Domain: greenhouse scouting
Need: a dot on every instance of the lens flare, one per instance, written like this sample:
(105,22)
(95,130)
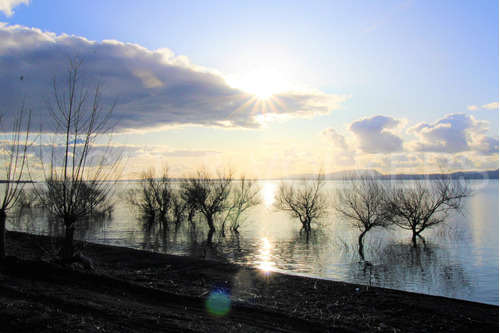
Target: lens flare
(218,302)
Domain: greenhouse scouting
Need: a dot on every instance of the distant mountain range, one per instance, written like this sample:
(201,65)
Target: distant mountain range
(493,174)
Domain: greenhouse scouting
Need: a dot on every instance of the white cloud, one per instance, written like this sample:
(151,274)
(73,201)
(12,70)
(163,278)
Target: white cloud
(155,89)
(331,135)
(452,134)
(7,6)
(377,134)
(162,151)
(490,106)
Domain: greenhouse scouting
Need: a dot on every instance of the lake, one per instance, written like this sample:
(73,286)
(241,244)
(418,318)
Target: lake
(459,259)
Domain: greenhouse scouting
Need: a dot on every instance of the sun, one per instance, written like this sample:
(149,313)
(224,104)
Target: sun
(263,83)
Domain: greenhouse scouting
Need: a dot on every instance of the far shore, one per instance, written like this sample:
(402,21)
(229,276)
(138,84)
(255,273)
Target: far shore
(140,291)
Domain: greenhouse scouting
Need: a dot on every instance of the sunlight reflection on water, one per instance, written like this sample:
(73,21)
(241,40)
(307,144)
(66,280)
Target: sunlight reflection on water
(265,263)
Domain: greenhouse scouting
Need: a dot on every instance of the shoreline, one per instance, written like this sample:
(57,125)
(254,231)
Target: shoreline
(212,296)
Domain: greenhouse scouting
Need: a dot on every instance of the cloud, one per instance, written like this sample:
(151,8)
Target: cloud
(376,134)
(331,135)
(453,134)
(6,6)
(141,154)
(162,151)
(490,106)
(154,89)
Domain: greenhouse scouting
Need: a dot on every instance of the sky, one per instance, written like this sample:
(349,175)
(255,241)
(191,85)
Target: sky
(271,88)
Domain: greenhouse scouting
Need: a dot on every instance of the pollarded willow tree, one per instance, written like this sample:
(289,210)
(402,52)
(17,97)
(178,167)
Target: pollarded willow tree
(78,166)
(244,196)
(362,201)
(425,203)
(303,200)
(13,159)
(208,194)
(154,198)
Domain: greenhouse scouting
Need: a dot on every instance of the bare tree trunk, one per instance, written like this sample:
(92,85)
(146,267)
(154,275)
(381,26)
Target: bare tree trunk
(68,250)
(3,219)
(210,221)
(361,245)
(192,211)
(209,237)
(306,226)
(414,238)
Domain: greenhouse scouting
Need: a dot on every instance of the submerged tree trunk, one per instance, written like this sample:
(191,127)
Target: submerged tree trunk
(306,226)
(209,237)
(192,211)
(361,246)
(210,221)
(414,237)
(3,219)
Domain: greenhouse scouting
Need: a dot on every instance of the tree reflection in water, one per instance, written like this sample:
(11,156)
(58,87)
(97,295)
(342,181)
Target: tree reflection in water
(194,239)
(28,219)
(423,268)
(296,253)
(427,268)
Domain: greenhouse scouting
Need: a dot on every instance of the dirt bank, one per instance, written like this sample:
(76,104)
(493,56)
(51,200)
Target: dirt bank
(139,291)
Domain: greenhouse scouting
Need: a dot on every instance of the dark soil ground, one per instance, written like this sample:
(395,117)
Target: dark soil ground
(139,291)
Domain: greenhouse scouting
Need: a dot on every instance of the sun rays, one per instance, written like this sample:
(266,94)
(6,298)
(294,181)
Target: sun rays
(263,83)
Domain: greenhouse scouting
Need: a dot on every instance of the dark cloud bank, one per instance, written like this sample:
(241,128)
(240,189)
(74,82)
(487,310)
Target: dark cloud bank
(154,89)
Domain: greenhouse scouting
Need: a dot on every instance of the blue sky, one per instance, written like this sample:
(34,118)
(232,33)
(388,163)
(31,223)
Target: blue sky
(390,85)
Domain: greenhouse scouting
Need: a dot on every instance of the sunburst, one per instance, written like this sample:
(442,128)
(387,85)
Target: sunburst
(263,83)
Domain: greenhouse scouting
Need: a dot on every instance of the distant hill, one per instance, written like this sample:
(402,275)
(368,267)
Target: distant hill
(493,174)
(354,173)
(2,181)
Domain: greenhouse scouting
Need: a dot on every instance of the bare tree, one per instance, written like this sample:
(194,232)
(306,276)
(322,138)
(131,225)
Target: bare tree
(79,170)
(362,201)
(208,194)
(425,203)
(154,197)
(243,197)
(304,200)
(13,157)
(143,200)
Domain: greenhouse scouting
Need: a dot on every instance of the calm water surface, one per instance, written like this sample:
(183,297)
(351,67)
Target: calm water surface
(459,259)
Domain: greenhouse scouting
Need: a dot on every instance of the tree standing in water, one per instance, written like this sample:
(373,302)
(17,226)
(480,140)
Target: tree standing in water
(208,194)
(154,198)
(244,195)
(362,201)
(304,200)
(425,203)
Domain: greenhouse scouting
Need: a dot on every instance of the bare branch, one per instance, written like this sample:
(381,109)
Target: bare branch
(303,200)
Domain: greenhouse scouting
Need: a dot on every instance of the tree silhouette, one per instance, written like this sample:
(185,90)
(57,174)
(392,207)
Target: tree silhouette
(13,159)
(303,200)
(208,194)
(79,170)
(362,201)
(244,195)
(425,203)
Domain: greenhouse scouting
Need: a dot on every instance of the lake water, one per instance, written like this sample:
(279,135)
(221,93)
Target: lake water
(458,260)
